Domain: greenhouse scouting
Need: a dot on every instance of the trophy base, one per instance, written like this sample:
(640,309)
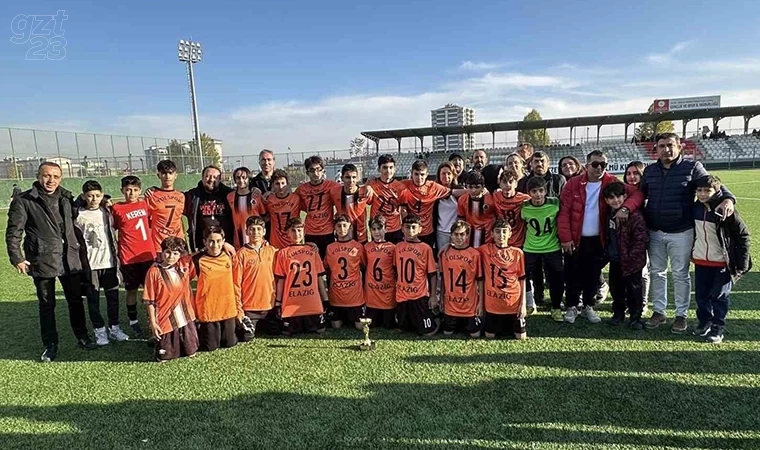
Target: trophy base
(367,347)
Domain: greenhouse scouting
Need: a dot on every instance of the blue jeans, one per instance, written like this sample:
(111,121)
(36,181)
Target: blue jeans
(676,247)
(712,288)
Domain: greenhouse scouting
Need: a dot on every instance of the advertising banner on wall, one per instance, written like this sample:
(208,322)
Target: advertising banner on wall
(679,104)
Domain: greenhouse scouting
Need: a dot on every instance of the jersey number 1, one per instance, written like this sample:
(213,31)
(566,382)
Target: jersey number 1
(141,226)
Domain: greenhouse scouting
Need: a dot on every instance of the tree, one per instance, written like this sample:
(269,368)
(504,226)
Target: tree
(539,138)
(211,157)
(356,146)
(645,131)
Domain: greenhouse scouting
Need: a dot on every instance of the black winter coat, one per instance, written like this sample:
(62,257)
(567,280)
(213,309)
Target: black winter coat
(45,246)
(670,194)
(733,236)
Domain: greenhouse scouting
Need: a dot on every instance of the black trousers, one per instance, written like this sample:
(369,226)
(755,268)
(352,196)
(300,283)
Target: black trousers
(537,278)
(72,290)
(584,267)
(107,280)
(627,291)
(552,263)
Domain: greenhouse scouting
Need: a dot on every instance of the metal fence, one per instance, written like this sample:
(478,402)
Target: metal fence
(79,154)
(93,155)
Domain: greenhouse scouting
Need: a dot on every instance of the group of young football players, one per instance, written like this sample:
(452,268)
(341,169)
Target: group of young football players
(281,274)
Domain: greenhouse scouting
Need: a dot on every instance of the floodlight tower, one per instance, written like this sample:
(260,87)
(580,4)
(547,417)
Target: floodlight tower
(190,52)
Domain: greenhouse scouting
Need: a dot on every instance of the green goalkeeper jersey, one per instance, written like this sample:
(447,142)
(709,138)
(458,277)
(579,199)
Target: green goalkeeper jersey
(541,230)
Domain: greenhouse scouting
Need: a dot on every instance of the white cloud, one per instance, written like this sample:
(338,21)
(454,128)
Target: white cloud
(562,90)
(477,66)
(668,56)
(749,65)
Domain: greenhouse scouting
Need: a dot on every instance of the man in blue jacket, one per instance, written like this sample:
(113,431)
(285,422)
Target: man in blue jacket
(669,189)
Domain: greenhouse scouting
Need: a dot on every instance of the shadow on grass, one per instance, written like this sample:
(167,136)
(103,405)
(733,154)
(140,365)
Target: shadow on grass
(744,295)
(19,332)
(504,413)
(541,326)
(20,336)
(697,362)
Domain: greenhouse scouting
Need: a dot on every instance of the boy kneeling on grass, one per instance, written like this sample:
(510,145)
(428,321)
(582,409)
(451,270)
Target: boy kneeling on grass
(462,287)
(627,251)
(416,287)
(345,262)
(253,271)
(170,304)
(380,279)
(504,268)
(721,256)
(219,310)
(301,289)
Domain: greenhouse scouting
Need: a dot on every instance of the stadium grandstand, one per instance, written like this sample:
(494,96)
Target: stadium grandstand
(717,151)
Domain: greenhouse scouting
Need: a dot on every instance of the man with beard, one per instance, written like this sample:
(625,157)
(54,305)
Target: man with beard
(479,160)
(206,205)
(539,167)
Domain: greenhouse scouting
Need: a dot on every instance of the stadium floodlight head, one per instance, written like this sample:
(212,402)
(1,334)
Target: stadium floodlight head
(189,51)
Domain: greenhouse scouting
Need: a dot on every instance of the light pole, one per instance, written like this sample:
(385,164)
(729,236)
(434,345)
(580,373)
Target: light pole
(190,52)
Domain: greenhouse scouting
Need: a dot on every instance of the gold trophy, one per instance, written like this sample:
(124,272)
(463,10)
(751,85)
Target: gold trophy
(367,344)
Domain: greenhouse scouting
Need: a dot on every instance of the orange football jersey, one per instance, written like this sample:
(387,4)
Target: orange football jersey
(414,262)
(504,270)
(344,262)
(460,269)
(280,210)
(355,207)
(421,200)
(300,267)
(479,213)
(165,210)
(509,208)
(253,272)
(318,204)
(215,298)
(380,279)
(387,201)
(168,290)
(243,206)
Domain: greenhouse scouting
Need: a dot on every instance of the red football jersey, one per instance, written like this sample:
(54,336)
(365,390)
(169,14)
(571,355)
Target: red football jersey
(131,222)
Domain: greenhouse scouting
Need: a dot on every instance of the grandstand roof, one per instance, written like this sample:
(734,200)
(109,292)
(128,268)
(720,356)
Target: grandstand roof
(687,114)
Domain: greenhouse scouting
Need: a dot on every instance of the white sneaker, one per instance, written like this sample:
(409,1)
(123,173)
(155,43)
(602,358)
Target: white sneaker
(571,314)
(591,315)
(101,337)
(116,334)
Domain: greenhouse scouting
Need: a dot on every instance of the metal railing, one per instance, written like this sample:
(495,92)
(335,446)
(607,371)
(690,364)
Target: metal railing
(84,155)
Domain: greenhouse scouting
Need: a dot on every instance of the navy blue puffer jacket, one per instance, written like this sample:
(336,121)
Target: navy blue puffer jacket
(669,194)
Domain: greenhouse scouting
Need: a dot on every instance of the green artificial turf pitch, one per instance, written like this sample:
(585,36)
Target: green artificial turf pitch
(567,387)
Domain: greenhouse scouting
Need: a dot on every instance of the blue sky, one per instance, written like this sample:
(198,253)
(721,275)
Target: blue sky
(312,75)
